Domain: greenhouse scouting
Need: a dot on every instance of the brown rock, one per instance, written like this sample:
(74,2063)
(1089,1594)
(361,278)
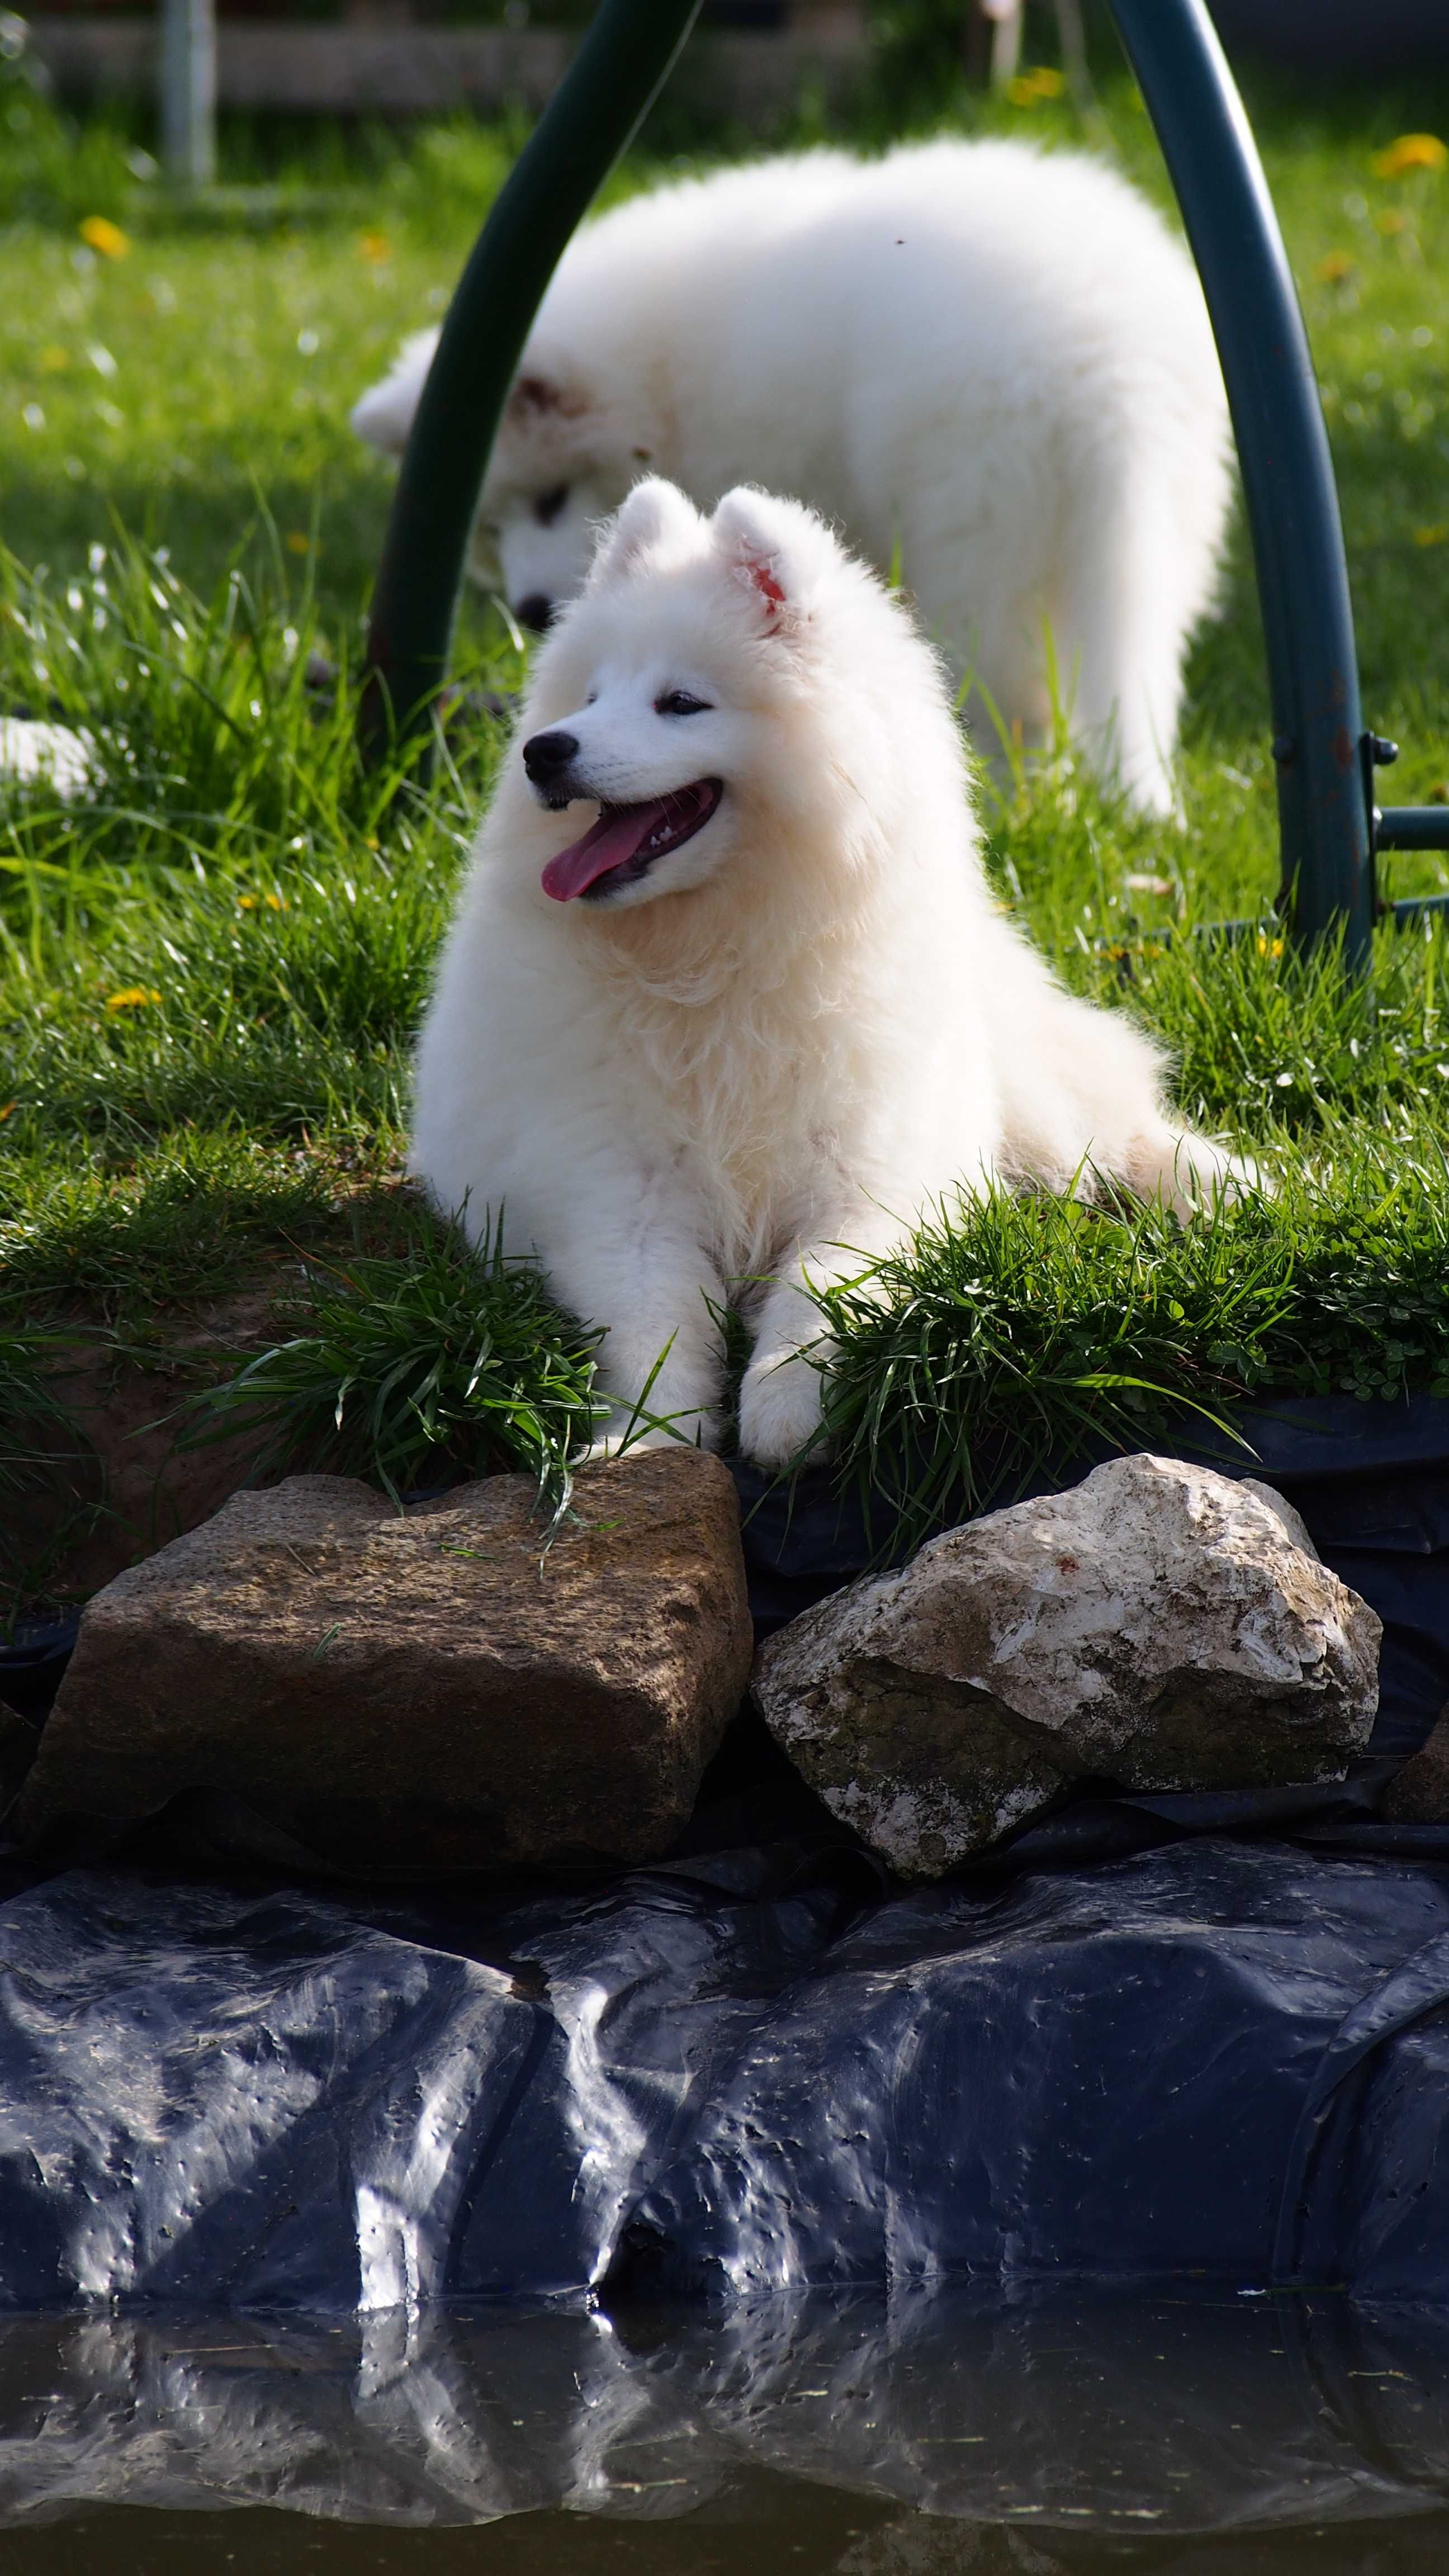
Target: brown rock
(1159,1626)
(1419,1794)
(123,1481)
(429,1688)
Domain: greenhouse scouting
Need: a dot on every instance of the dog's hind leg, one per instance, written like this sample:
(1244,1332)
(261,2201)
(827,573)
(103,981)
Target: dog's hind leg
(1186,1172)
(1132,587)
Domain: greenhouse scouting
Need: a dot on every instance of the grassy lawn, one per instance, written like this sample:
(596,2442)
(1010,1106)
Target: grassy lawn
(212,963)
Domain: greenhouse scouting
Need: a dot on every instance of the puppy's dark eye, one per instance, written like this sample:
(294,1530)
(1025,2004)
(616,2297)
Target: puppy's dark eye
(547,505)
(678,702)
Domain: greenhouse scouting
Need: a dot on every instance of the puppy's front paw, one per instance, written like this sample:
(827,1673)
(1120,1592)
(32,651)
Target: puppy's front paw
(613,1444)
(780,1408)
(621,1435)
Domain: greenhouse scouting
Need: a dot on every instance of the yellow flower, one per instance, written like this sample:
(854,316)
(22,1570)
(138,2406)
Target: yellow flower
(132,997)
(105,237)
(273,902)
(1411,152)
(1029,87)
(6,1107)
(53,359)
(374,246)
(1392,220)
(1335,264)
(1269,947)
(297,542)
(1434,535)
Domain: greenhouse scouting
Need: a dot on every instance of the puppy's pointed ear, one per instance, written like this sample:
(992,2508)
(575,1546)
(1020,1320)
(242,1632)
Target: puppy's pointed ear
(656,518)
(384,415)
(543,393)
(755,536)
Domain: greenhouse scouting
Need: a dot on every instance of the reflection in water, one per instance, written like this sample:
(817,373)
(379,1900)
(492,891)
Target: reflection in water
(928,2434)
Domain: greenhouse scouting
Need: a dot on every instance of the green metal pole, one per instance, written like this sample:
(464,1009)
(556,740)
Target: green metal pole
(1319,744)
(628,52)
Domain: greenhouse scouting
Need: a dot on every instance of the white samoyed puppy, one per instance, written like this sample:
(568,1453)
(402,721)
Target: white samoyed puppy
(762,1011)
(992,367)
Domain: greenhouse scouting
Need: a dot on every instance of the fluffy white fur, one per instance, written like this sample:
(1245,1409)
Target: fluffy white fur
(31,750)
(989,364)
(796,1030)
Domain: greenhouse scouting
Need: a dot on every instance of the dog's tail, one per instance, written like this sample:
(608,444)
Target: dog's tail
(384,415)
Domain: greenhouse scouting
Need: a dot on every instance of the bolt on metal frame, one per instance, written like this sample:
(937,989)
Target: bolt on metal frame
(1329,827)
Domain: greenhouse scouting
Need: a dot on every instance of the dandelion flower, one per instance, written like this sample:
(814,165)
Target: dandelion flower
(374,246)
(102,235)
(1434,535)
(1410,152)
(7,1108)
(53,359)
(132,997)
(1333,267)
(298,543)
(1027,89)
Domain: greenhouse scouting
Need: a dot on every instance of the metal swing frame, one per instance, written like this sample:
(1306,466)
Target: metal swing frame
(1325,759)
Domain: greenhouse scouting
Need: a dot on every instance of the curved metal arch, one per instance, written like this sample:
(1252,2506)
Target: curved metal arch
(626,56)
(1324,757)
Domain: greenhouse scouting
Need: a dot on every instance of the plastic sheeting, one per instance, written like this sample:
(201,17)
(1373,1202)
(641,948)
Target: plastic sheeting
(1153,2037)
(721,2079)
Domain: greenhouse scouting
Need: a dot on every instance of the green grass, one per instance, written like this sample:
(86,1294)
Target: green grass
(418,1366)
(211,963)
(1018,1331)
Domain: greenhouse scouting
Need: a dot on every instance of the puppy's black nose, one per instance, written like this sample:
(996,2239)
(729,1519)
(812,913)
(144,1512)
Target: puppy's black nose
(547,755)
(536,612)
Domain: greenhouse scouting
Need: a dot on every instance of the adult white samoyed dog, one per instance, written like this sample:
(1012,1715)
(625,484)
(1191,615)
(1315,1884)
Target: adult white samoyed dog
(762,1011)
(991,366)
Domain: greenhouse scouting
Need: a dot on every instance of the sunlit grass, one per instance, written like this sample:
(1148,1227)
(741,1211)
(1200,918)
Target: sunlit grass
(417,1367)
(1017,1333)
(213,959)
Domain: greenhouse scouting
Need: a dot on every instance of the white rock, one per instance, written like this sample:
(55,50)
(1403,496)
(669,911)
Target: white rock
(1159,1627)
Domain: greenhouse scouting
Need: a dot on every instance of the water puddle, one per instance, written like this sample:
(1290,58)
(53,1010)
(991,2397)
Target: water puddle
(929,2433)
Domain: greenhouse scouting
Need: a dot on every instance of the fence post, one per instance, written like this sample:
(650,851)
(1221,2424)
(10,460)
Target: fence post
(188,91)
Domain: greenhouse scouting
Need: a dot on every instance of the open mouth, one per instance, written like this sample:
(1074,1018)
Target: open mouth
(627,840)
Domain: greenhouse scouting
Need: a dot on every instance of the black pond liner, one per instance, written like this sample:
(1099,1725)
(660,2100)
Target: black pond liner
(1152,2037)
(32,1661)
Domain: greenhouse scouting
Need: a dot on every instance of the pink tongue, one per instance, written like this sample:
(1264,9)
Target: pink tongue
(613,839)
